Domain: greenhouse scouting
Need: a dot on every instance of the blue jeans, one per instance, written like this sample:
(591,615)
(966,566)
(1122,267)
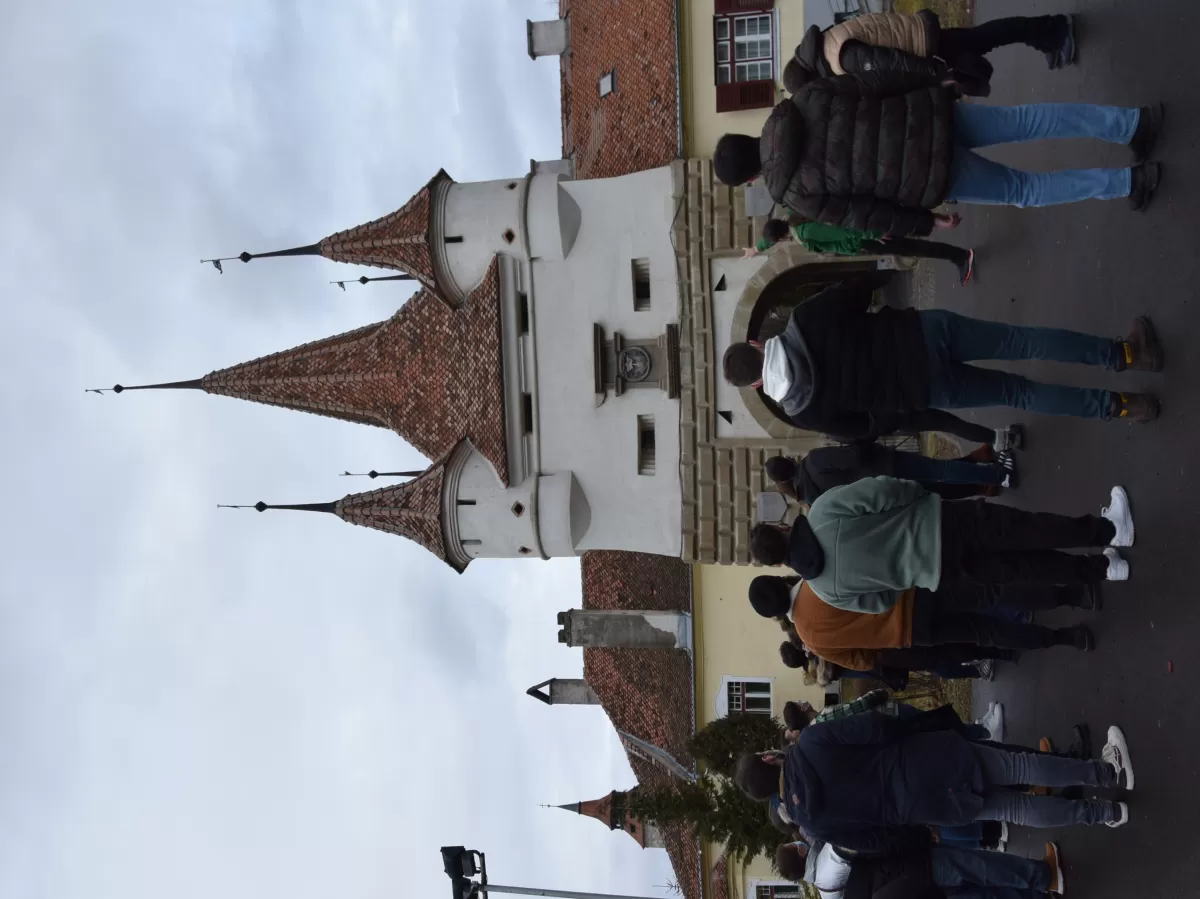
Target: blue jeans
(915,467)
(951,340)
(1002,769)
(965,836)
(954,867)
(976,179)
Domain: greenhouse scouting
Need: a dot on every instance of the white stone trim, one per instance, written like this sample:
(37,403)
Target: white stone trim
(722,698)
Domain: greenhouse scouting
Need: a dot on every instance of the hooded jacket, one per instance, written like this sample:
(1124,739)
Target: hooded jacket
(873,783)
(872,158)
(878,537)
(850,367)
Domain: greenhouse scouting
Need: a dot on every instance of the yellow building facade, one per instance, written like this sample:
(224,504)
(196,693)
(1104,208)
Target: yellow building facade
(737,668)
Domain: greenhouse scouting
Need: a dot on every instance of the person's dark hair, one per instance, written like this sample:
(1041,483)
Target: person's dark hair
(770,596)
(742,364)
(780,469)
(792,655)
(795,76)
(793,716)
(789,862)
(736,159)
(756,777)
(768,545)
(774,231)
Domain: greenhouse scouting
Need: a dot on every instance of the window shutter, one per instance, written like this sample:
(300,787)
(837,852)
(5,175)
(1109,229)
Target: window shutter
(725,7)
(745,95)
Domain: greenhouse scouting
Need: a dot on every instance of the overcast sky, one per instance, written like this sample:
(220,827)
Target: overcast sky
(203,703)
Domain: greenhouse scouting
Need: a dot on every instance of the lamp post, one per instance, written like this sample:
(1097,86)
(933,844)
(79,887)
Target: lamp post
(462,865)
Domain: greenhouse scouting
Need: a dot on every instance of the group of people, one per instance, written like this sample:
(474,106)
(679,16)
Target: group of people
(900,562)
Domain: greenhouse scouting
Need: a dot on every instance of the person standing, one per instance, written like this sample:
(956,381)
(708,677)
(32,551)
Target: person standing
(881,157)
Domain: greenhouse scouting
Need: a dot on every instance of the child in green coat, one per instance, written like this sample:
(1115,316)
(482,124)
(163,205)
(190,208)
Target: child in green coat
(817,237)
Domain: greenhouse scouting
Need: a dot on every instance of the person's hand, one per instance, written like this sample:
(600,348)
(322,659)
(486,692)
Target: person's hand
(885,237)
(947,221)
(951,81)
(749,252)
(933,833)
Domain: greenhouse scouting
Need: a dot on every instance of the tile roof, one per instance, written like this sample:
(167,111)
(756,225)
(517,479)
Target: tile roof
(399,240)
(719,887)
(636,127)
(646,692)
(430,373)
(412,509)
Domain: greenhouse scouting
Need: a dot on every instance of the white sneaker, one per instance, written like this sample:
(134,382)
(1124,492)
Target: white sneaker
(1117,511)
(1003,844)
(1116,753)
(1122,811)
(993,720)
(1054,860)
(1118,568)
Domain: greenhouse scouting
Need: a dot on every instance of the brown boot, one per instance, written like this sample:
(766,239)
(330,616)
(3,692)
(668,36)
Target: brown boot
(1139,407)
(1140,347)
(1054,861)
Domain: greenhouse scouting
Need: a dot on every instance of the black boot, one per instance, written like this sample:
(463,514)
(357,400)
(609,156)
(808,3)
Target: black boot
(1149,128)
(1061,49)
(1145,178)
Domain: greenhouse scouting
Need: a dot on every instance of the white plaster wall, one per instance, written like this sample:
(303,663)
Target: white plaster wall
(621,219)
(736,272)
(491,521)
(480,212)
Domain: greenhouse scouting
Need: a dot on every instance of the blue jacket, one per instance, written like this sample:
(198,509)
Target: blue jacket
(873,783)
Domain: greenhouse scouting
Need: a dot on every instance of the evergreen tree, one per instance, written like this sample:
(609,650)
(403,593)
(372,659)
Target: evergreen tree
(715,810)
(720,743)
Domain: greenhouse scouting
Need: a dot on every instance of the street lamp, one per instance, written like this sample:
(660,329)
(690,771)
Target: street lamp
(462,864)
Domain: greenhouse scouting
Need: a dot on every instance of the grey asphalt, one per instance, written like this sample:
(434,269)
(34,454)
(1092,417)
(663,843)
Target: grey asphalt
(1093,266)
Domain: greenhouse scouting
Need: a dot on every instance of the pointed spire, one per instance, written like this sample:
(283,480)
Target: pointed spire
(194,384)
(365,280)
(575,807)
(331,508)
(313,249)
(372,474)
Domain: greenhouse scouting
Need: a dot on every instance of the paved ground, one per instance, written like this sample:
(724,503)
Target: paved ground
(1092,267)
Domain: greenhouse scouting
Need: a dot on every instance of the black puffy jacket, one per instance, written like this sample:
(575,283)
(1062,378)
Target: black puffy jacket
(864,366)
(839,152)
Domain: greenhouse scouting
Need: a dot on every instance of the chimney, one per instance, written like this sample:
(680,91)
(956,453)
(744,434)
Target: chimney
(564,691)
(551,38)
(626,628)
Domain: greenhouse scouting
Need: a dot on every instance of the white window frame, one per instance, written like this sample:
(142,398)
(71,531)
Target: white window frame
(730,64)
(754,883)
(721,702)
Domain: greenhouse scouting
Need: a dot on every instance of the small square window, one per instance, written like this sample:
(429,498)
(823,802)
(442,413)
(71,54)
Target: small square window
(608,83)
(749,696)
(645,426)
(641,285)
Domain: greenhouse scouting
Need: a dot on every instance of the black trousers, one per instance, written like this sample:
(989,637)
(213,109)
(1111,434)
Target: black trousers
(984,543)
(918,249)
(958,613)
(1045,33)
(938,420)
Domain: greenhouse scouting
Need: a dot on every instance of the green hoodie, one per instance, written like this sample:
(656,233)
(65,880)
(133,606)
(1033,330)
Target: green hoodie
(817,237)
(880,536)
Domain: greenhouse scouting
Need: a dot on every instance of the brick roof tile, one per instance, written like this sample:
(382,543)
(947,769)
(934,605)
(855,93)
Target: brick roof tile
(646,692)
(637,126)
(430,373)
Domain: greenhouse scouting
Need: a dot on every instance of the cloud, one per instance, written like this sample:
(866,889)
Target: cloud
(208,702)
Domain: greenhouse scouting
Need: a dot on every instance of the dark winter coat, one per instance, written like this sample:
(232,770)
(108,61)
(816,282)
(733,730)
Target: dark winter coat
(868,159)
(857,54)
(873,783)
(869,876)
(834,466)
(862,368)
